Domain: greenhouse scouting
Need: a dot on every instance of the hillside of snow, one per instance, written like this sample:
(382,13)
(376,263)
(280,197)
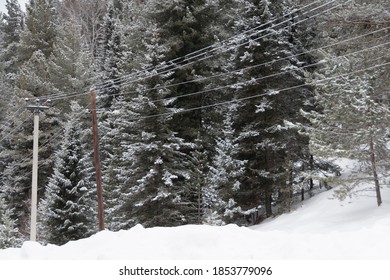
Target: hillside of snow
(321,228)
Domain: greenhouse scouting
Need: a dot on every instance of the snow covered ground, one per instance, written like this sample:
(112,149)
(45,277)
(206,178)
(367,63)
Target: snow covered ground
(321,228)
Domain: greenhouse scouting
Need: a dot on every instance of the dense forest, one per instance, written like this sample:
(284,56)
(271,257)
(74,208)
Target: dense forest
(209,111)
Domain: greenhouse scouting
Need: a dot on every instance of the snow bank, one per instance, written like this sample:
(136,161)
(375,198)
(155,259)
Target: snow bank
(322,228)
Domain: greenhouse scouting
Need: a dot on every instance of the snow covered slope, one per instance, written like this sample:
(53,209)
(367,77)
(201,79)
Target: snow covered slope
(321,228)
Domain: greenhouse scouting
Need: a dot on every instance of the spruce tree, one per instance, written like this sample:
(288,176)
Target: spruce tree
(116,132)
(185,27)
(156,173)
(15,158)
(111,57)
(270,148)
(32,81)
(11,27)
(67,211)
(69,65)
(40,29)
(223,178)
(9,233)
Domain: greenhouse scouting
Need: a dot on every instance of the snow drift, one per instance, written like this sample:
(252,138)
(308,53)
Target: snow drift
(322,228)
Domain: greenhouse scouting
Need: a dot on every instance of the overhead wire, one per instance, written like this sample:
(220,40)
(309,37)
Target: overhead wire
(246,68)
(55,135)
(260,95)
(11,119)
(58,97)
(215,46)
(15,128)
(130,78)
(168,70)
(239,71)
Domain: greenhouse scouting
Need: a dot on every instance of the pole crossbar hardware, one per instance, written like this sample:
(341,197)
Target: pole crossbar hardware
(34,185)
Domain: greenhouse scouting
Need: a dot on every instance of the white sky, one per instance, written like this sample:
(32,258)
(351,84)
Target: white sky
(21,2)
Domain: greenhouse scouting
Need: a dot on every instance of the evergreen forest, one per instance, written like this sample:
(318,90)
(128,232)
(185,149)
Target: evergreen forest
(209,111)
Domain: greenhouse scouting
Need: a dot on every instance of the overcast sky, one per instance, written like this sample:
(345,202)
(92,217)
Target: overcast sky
(21,2)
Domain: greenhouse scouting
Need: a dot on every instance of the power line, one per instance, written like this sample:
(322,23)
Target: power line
(56,134)
(15,129)
(168,70)
(59,97)
(255,79)
(214,47)
(77,94)
(229,40)
(249,67)
(11,119)
(252,67)
(260,95)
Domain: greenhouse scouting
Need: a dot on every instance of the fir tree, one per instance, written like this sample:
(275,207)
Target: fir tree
(69,64)
(155,175)
(11,27)
(32,80)
(111,57)
(223,178)
(40,31)
(184,27)
(9,233)
(269,147)
(68,208)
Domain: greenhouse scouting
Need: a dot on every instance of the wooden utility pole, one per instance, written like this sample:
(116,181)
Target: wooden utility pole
(34,184)
(97,160)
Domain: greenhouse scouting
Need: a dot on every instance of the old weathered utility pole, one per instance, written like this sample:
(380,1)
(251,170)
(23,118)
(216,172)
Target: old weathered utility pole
(97,160)
(34,186)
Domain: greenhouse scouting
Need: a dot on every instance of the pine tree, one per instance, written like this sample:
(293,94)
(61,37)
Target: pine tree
(33,78)
(355,114)
(68,208)
(18,143)
(352,121)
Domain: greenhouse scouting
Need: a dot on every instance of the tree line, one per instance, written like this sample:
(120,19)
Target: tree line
(209,111)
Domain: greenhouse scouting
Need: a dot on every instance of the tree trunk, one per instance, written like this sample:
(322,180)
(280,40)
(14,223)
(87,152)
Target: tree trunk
(374,172)
(268,204)
(311,184)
